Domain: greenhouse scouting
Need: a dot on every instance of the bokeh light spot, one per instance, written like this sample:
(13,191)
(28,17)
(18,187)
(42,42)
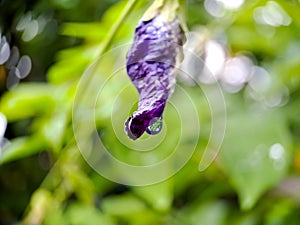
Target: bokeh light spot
(4,52)
(24,67)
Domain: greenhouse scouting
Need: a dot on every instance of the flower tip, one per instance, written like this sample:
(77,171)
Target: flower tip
(133,129)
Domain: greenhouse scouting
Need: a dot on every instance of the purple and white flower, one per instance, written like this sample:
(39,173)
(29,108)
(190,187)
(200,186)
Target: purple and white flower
(151,66)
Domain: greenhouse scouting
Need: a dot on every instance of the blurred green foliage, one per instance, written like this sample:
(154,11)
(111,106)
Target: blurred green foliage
(45,180)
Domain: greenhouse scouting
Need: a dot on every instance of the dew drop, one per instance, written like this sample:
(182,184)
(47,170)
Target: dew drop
(155,126)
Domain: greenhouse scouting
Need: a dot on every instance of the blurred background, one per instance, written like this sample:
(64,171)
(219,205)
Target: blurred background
(251,49)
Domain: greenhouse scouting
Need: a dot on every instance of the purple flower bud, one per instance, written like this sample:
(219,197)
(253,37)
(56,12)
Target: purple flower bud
(151,63)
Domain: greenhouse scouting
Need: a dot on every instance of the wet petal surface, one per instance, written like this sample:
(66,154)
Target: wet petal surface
(151,63)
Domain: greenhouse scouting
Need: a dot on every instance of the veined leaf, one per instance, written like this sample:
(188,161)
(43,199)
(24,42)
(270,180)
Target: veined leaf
(255,154)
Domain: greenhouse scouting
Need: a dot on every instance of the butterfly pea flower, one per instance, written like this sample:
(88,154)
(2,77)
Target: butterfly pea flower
(151,66)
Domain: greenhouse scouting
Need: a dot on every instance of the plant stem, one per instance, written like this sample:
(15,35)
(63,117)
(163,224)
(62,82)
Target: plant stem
(91,71)
(107,41)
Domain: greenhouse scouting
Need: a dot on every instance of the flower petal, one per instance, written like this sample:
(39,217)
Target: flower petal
(151,63)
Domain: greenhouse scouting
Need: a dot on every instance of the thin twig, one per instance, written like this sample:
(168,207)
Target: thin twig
(116,26)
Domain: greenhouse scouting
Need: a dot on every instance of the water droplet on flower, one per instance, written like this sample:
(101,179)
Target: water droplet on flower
(155,126)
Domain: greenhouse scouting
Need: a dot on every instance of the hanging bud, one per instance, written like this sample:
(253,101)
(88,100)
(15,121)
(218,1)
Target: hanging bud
(151,66)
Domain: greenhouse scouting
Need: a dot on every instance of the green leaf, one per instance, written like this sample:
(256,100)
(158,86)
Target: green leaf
(129,208)
(27,100)
(79,57)
(79,182)
(92,31)
(40,202)
(53,129)
(255,153)
(79,214)
(159,196)
(212,213)
(124,205)
(22,147)
(280,211)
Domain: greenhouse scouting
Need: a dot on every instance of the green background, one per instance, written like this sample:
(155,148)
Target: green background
(45,180)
